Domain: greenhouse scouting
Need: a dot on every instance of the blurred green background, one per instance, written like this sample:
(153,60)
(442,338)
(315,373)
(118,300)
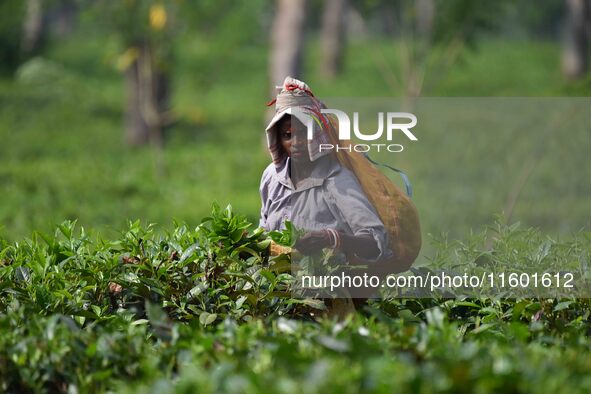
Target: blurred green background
(113,111)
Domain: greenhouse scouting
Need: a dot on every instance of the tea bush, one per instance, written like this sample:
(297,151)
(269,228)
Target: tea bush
(208,310)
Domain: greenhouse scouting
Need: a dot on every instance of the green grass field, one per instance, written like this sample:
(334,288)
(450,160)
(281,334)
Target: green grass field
(62,155)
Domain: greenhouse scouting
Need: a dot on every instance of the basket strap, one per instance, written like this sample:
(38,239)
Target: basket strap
(400,172)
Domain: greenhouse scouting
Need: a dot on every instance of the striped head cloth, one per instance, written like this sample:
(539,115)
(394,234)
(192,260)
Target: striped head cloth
(295,98)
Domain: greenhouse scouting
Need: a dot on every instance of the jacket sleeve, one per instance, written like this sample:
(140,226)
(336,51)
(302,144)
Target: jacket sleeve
(355,213)
(264,193)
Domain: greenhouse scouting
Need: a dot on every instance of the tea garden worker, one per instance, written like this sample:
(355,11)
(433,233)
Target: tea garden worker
(311,189)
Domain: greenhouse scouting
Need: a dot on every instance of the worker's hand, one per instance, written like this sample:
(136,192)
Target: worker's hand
(313,242)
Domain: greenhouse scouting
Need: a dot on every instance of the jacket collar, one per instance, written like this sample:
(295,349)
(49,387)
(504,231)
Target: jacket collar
(324,167)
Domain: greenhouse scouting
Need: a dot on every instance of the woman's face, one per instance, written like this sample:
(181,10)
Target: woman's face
(292,137)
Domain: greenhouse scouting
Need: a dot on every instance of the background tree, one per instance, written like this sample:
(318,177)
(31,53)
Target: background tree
(32,26)
(287,40)
(62,18)
(575,56)
(332,36)
(428,35)
(145,30)
(11,16)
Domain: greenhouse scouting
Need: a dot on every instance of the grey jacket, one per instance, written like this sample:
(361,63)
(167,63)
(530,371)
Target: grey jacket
(331,197)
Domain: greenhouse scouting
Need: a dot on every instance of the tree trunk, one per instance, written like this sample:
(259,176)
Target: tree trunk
(420,45)
(63,19)
(32,26)
(333,36)
(425,11)
(287,41)
(137,131)
(576,45)
(387,17)
(147,98)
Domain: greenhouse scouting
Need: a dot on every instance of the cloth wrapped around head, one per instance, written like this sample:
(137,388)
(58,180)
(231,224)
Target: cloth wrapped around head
(296,99)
